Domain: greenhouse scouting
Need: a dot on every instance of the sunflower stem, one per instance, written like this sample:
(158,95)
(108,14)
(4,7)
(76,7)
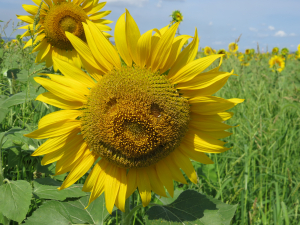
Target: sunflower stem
(125,215)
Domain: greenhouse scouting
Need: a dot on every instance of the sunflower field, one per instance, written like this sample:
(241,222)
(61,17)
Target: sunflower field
(149,128)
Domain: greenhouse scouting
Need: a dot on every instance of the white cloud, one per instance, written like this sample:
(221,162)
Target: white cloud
(159,4)
(280,33)
(292,45)
(217,42)
(271,28)
(233,29)
(253,29)
(210,23)
(292,34)
(122,3)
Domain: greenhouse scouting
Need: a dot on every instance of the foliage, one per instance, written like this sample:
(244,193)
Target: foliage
(255,182)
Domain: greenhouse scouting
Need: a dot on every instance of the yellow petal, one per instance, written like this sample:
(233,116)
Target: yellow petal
(71,83)
(185,164)
(99,15)
(64,92)
(174,169)
(121,197)
(156,184)
(132,35)
(79,170)
(52,99)
(59,116)
(203,143)
(100,59)
(221,116)
(44,43)
(102,21)
(112,185)
(144,186)
(175,50)
(192,69)
(52,157)
(98,187)
(165,176)
(163,48)
(86,55)
(48,59)
(93,176)
(194,155)
(32,9)
(96,8)
(208,105)
(55,129)
(26,19)
(131,181)
(56,143)
(71,158)
(74,72)
(208,125)
(144,48)
(203,80)
(104,46)
(186,56)
(43,53)
(120,40)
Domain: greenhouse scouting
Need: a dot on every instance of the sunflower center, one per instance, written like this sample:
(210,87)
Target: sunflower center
(62,17)
(134,118)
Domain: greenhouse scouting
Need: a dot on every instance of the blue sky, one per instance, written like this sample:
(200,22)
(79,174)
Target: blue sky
(269,22)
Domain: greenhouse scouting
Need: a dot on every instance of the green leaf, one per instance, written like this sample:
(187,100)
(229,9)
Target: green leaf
(191,208)
(50,213)
(15,199)
(71,212)
(46,188)
(18,99)
(169,200)
(14,157)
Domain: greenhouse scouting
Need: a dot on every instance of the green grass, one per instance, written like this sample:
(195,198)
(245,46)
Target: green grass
(261,172)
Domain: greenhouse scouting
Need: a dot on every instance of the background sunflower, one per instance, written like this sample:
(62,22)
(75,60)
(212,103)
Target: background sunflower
(56,17)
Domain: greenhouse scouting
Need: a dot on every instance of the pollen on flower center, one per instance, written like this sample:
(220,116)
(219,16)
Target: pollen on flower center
(62,17)
(134,118)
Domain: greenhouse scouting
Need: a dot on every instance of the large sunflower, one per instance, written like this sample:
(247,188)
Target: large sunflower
(145,119)
(56,17)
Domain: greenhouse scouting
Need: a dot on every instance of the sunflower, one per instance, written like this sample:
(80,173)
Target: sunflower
(222,51)
(145,119)
(285,51)
(176,16)
(233,47)
(277,62)
(298,48)
(56,17)
(247,51)
(208,50)
(275,50)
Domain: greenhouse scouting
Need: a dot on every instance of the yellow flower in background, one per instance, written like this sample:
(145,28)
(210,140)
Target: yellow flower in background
(233,47)
(145,125)
(208,50)
(55,18)
(247,51)
(275,50)
(298,48)
(277,62)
